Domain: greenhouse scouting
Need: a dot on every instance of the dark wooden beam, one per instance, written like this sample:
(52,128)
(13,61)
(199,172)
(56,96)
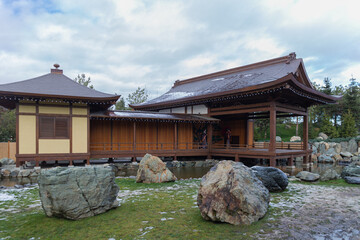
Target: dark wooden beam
(272,145)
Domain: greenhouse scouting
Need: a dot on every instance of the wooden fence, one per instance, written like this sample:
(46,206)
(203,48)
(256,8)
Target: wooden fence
(8,150)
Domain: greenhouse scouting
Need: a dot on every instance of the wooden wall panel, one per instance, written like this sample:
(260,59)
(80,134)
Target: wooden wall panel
(146,135)
(123,135)
(166,135)
(100,134)
(185,135)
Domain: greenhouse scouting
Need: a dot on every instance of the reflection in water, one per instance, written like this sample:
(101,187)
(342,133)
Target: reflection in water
(190,172)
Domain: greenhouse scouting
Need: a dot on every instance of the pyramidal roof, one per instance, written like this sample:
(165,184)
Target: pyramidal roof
(55,85)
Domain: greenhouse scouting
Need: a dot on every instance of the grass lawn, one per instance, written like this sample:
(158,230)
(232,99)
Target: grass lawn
(147,211)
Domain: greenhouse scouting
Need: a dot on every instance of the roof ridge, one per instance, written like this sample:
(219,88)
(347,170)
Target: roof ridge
(286,59)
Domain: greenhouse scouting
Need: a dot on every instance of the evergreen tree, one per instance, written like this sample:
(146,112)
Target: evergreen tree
(81,78)
(351,101)
(120,105)
(348,126)
(8,126)
(139,96)
(327,127)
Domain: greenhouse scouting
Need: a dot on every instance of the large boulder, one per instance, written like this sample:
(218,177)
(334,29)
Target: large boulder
(278,139)
(329,174)
(273,179)
(308,176)
(230,192)
(325,159)
(346,154)
(153,170)
(77,192)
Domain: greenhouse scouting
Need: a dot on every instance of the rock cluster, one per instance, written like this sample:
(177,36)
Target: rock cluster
(153,170)
(77,192)
(273,179)
(331,152)
(351,173)
(230,192)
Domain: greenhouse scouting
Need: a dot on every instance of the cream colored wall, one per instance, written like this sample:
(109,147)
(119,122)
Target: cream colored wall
(79,111)
(27,109)
(54,146)
(54,110)
(27,134)
(79,135)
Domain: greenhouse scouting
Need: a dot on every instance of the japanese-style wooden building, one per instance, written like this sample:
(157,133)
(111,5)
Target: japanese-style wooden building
(209,115)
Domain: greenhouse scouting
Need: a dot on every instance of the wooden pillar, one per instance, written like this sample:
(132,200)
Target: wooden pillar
(305,139)
(175,136)
(209,139)
(250,133)
(237,158)
(134,138)
(272,162)
(272,144)
(70,162)
(88,161)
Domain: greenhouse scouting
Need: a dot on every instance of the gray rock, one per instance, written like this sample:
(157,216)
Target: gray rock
(316,144)
(314,158)
(77,192)
(278,139)
(325,159)
(346,154)
(308,176)
(337,147)
(230,192)
(330,151)
(6,161)
(273,179)
(329,174)
(323,147)
(352,146)
(153,170)
(25,172)
(320,139)
(14,173)
(354,158)
(344,146)
(352,170)
(199,164)
(352,180)
(323,135)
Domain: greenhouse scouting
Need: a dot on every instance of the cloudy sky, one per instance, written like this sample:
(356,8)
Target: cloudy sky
(149,43)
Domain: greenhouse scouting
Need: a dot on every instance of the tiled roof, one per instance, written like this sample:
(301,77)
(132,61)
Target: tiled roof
(148,115)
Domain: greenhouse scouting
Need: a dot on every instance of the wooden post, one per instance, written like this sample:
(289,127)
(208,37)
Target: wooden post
(237,158)
(305,139)
(134,138)
(175,137)
(272,162)
(250,133)
(272,144)
(209,139)
(8,152)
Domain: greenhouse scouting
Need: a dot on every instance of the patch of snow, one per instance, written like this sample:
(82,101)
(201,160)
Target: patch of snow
(6,197)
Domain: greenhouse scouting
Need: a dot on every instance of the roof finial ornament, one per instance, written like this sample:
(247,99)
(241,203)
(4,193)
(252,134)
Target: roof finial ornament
(292,56)
(56,65)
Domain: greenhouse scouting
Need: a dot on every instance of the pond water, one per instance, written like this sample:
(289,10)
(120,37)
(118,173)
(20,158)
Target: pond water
(192,172)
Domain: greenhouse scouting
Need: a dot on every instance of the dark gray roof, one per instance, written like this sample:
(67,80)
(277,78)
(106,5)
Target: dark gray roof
(152,115)
(57,85)
(227,82)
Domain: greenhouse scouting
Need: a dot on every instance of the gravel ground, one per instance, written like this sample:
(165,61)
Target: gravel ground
(316,212)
